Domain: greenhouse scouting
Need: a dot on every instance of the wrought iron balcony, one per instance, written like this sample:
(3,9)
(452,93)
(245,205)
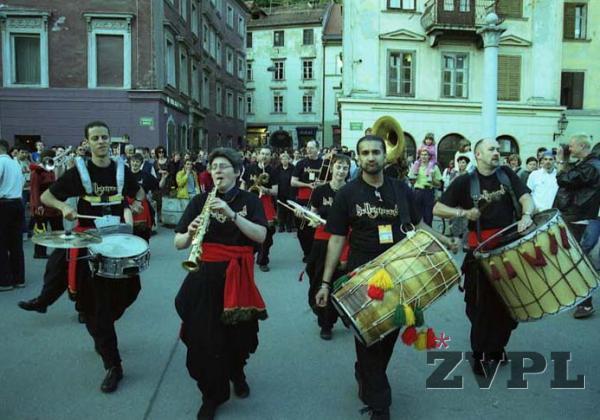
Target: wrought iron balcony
(456,15)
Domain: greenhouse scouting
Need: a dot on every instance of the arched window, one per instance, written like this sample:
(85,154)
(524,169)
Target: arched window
(447,147)
(171,136)
(410,147)
(508,145)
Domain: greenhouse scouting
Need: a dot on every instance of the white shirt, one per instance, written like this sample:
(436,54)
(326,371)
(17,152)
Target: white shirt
(543,188)
(11,178)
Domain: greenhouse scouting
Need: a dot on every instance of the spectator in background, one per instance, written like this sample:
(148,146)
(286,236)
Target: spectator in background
(531,165)
(161,168)
(542,183)
(297,157)
(284,192)
(449,174)
(424,185)
(464,149)
(129,152)
(540,153)
(514,161)
(39,148)
(187,181)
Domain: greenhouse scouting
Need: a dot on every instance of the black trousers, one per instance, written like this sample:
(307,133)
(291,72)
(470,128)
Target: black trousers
(370,371)
(56,223)
(103,301)
(262,258)
(285,216)
(424,201)
(491,325)
(12,260)
(305,237)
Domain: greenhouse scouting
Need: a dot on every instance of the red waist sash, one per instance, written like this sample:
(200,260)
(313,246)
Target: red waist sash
(268,207)
(241,299)
(321,233)
(145,217)
(485,235)
(72,264)
(303,193)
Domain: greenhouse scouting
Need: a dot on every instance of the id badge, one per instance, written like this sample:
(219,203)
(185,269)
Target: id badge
(311,176)
(385,234)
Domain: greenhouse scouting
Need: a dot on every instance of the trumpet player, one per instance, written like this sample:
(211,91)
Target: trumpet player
(219,303)
(262,179)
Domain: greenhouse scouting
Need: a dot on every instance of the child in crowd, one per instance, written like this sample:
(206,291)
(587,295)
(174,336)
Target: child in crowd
(429,145)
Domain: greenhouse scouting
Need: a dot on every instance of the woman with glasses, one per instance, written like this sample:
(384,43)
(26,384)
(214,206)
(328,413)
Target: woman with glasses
(219,303)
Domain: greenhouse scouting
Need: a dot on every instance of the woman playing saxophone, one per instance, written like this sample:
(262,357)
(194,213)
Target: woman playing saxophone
(218,302)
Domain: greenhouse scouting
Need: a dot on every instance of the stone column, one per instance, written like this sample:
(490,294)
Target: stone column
(490,33)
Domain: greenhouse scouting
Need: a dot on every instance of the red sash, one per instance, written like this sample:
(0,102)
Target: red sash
(241,299)
(267,202)
(303,193)
(72,264)
(321,233)
(145,217)
(485,234)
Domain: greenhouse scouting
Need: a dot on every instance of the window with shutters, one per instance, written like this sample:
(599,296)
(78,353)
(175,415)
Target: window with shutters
(401,73)
(509,8)
(575,21)
(571,89)
(455,75)
(509,77)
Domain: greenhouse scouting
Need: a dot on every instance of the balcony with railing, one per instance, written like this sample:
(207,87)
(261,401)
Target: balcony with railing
(456,17)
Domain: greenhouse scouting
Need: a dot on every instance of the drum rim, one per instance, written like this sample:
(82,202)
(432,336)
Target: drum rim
(478,253)
(94,248)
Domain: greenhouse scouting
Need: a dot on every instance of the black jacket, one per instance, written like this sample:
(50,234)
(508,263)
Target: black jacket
(578,196)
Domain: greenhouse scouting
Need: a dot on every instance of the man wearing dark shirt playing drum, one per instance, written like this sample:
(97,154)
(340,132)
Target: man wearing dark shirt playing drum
(374,207)
(502,198)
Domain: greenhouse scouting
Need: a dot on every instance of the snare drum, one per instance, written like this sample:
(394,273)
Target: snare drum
(119,256)
(421,269)
(540,272)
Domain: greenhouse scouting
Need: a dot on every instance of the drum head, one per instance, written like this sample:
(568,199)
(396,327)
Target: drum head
(120,245)
(510,234)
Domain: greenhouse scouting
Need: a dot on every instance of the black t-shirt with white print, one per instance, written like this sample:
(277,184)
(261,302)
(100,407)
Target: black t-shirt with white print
(253,171)
(367,211)
(222,230)
(498,210)
(104,182)
(307,170)
(322,199)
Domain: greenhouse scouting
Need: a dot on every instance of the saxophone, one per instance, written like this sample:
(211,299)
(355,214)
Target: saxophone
(191,264)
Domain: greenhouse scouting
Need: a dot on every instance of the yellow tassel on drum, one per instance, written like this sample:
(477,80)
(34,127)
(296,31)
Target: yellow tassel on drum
(409,314)
(421,343)
(382,280)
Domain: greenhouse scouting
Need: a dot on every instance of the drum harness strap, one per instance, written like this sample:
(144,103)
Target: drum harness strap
(476,194)
(101,200)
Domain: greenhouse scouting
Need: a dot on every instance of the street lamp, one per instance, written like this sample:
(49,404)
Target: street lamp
(561,125)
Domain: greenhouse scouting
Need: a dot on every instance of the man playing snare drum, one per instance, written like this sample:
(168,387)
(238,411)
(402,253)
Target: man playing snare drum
(102,185)
(502,197)
(374,207)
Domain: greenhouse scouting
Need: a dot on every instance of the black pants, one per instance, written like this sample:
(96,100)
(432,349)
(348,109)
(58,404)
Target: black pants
(262,258)
(56,223)
(491,325)
(12,260)
(326,316)
(285,216)
(305,237)
(103,301)
(370,371)
(424,201)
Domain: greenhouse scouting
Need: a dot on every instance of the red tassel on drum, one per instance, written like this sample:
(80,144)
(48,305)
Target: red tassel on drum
(409,336)
(375,292)
(564,238)
(431,339)
(553,243)
(540,260)
(495,272)
(510,270)
(530,260)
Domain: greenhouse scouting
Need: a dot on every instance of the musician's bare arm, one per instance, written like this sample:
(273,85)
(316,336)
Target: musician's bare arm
(51,201)
(528,206)
(447,212)
(450,243)
(334,251)
(295,182)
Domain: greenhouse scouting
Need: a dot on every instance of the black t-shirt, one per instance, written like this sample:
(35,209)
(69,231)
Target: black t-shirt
(322,199)
(307,170)
(497,212)
(145,180)
(222,230)
(363,208)
(284,190)
(104,182)
(253,171)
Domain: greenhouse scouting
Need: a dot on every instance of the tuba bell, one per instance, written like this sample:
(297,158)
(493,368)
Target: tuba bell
(391,132)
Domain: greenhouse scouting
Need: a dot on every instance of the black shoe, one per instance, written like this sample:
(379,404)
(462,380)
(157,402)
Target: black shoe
(241,388)
(377,414)
(281,229)
(264,268)
(326,333)
(207,410)
(81,317)
(33,305)
(583,311)
(111,380)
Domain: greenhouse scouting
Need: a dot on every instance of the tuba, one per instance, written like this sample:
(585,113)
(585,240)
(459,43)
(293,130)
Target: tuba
(391,132)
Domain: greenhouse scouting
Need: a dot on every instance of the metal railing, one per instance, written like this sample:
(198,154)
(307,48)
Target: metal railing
(435,14)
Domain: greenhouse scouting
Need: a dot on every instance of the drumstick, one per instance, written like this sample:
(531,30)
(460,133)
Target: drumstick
(85,216)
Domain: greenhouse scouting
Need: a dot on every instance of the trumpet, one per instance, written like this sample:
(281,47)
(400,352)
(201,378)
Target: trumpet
(261,181)
(59,160)
(313,218)
(192,264)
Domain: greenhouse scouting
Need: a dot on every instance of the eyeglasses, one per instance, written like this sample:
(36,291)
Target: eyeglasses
(220,166)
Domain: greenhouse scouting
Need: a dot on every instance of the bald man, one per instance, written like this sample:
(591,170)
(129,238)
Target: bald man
(578,196)
(491,325)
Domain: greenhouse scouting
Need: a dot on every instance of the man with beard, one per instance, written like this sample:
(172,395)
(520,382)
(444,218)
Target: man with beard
(264,177)
(373,208)
(102,185)
(305,178)
(508,200)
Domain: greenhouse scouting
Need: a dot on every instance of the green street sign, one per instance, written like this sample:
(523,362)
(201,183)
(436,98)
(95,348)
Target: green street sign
(146,121)
(356,126)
